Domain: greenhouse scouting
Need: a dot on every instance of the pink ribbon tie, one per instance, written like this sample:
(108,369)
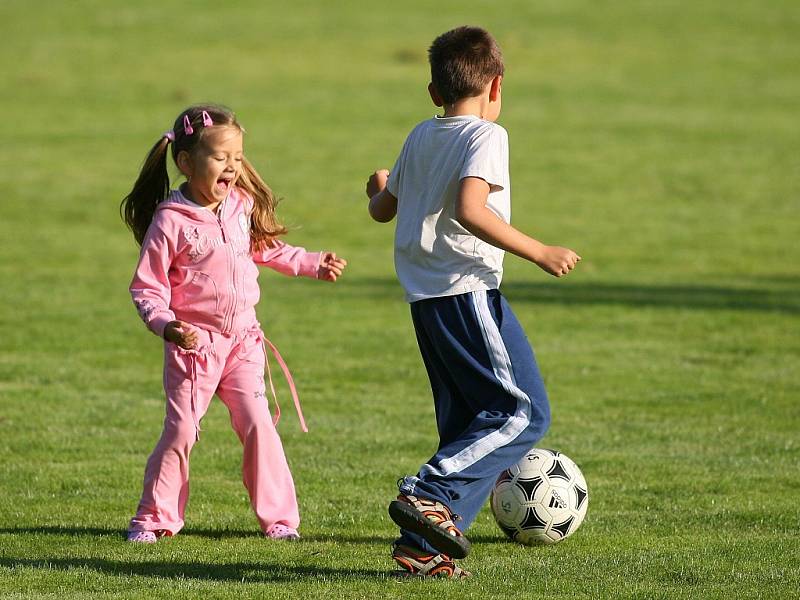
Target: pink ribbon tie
(193,373)
(289,380)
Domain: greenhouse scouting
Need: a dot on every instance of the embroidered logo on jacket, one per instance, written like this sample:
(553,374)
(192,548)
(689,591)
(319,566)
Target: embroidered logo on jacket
(200,243)
(190,233)
(145,309)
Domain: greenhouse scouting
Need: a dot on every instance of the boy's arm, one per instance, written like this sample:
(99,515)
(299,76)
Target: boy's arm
(382,204)
(473,214)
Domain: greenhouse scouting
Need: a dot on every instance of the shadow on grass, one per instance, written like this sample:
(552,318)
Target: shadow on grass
(215,534)
(252,572)
(70,531)
(695,297)
(782,298)
(490,539)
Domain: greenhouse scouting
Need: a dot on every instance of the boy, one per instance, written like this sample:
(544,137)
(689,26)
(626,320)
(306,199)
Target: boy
(450,191)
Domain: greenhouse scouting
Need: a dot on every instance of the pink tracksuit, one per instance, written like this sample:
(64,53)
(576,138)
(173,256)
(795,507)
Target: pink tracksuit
(197,267)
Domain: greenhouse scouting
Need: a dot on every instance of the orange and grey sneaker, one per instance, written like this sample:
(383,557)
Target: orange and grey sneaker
(433,521)
(414,561)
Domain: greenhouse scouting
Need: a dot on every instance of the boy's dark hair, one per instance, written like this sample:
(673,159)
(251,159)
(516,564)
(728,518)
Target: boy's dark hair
(463,61)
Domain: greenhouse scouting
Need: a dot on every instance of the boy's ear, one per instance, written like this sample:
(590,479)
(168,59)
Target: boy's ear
(184,162)
(437,99)
(494,88)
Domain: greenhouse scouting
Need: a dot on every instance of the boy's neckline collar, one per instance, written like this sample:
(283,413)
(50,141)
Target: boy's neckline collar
(467,117)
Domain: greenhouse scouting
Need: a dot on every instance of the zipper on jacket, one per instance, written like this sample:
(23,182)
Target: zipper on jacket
(230,313)
(232,287)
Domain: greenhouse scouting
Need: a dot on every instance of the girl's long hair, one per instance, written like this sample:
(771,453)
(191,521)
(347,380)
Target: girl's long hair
(152,185)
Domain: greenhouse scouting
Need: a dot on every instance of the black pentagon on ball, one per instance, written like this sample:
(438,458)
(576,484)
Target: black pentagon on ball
(563,528)
(581,494)
(532,521)
(557,471)
(528,486)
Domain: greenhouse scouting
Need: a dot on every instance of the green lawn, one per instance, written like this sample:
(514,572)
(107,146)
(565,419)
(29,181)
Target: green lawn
(659,139)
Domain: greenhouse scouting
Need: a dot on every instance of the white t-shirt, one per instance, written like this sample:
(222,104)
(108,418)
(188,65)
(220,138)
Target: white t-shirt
(434,255)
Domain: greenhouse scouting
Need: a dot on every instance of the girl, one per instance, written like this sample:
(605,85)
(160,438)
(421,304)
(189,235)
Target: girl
(195,286)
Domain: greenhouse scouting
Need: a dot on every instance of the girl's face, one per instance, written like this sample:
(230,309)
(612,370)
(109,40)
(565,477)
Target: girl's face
(214,166)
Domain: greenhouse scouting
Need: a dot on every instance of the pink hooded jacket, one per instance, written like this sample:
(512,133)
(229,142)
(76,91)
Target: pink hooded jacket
(197,267)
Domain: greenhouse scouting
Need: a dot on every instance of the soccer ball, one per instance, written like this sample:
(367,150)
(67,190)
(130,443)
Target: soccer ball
(540,500)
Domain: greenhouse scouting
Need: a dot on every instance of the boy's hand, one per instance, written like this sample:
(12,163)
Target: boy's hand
(556,260)
(376,182)
(182,334)
(330,266)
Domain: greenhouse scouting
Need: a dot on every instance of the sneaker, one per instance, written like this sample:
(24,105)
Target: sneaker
(415,562)
(280,531)
(142,537)
(433,521)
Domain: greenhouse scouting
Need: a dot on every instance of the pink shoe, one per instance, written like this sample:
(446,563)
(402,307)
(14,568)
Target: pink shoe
(142,537)
(281,532)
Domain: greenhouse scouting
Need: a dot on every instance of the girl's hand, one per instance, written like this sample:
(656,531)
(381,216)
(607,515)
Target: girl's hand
(557,261)
(330,266)
(182,334)
(376,182)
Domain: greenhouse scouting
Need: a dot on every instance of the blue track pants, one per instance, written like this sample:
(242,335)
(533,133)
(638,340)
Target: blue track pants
(491,406)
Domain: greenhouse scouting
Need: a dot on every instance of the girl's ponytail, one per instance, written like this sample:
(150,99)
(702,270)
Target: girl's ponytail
(150,189)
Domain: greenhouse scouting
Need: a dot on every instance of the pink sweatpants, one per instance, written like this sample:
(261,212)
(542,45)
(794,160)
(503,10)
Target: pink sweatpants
(233,368)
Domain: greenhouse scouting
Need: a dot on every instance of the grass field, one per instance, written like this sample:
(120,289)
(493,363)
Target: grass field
(659,139)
